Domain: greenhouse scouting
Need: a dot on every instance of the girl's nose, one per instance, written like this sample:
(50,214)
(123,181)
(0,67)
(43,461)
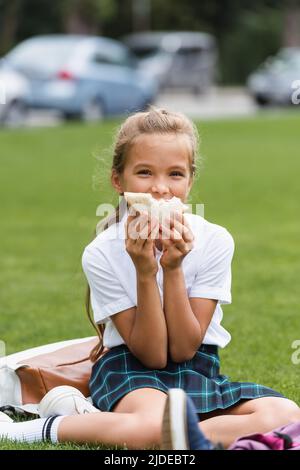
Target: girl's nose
(160,188)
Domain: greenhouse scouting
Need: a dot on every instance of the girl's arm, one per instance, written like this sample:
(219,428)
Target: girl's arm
(143,328)
(149,333)
(187,319)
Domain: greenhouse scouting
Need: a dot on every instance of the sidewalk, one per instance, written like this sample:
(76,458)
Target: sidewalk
(218,103)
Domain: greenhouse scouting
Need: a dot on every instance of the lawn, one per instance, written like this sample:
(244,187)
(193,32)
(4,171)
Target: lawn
(249,183)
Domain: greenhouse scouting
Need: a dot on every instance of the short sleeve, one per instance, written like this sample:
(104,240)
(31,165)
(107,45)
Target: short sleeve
(213,278)
(107,294)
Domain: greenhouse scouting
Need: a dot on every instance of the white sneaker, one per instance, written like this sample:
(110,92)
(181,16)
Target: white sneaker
(65,400)
(180,427)
(4,418)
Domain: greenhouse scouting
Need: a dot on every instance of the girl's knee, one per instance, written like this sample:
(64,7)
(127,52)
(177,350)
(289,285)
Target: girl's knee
(291,409)
(280,411)
(142,401)
(285,406)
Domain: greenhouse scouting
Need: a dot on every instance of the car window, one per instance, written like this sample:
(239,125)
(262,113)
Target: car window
(113,56)
(46,54)
(145,52)
(189,51)
(101,58)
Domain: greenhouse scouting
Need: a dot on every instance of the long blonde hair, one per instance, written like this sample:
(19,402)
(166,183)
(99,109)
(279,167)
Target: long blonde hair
(154,121)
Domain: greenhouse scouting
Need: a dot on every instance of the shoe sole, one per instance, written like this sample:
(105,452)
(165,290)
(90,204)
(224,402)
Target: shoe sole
(174,426)
(53,396)
(4,418)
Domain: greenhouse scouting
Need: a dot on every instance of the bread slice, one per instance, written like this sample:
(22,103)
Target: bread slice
(159,208)
(139,198)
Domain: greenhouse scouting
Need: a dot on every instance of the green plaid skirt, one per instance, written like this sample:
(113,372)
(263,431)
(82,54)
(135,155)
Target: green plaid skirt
(119,372)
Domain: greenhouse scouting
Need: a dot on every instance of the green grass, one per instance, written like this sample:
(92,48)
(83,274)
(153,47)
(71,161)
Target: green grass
(249,184)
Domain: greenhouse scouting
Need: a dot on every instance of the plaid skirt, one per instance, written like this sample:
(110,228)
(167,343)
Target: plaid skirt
(119,372)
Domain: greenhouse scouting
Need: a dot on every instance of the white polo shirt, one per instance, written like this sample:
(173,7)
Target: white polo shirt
(111,275)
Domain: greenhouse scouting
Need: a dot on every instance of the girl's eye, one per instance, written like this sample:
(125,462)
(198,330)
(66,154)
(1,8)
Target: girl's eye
(174,173)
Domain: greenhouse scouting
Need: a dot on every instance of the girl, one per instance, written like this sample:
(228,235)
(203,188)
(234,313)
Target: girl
(159,296)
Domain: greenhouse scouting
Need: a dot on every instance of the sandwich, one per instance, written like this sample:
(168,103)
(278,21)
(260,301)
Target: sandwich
(160,208)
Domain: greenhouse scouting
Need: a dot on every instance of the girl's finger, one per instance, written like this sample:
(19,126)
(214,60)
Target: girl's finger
(176,223)
(175,216)
(170,234)
(182,225)
(186,223)
(153,232)
(165,231)
(144,229)
(175,240)
(178,215)
(148,231)
(136,225)
(186,233)
(129,221)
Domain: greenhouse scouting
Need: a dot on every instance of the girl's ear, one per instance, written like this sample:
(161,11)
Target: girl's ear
(116,181)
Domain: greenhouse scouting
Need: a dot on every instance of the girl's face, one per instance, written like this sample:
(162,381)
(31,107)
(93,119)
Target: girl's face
(157,164)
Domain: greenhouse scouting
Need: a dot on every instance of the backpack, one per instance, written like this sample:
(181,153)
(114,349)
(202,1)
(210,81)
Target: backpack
(286,437)
(25,377)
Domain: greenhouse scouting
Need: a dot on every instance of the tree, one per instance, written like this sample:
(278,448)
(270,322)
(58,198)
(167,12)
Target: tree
(10,16)
(246,30)
(291,22)
(86,16)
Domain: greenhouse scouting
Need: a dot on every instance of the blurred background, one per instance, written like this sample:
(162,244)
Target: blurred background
(70,71)
(88,59)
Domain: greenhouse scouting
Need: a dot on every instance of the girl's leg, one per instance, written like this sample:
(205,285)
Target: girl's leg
(135,422)
(251,416)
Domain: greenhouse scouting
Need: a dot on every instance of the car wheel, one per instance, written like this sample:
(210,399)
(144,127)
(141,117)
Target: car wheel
(261,100)
(93,111)
(15,114)
(71,116)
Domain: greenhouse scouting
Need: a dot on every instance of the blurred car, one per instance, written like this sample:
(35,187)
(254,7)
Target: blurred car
(13,88)
(272,82)
(179,59)
(81,76)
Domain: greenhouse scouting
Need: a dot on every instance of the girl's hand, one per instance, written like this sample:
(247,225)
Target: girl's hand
(177,241)
(141,232)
